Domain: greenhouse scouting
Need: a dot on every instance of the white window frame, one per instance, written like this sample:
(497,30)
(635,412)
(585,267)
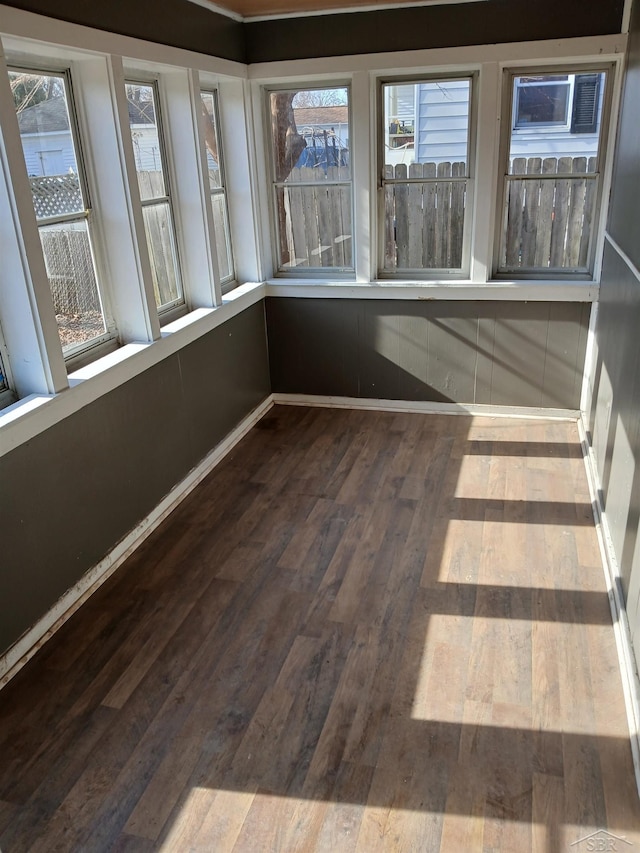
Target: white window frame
(427,273)
(338,273)
(601,176)
(85,351)
(226,282)
(542,127)
(175,308)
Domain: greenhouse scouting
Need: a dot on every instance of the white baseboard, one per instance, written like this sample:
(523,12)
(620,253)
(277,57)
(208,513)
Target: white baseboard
(425,407)
(32,640)
(626,657)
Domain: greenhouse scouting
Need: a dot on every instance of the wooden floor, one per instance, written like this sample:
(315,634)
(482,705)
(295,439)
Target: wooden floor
(364,631)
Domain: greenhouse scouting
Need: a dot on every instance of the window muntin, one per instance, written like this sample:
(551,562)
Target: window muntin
(551,185)
(152,174)
(311,178)
(217,185)
(52,153)
(425,176)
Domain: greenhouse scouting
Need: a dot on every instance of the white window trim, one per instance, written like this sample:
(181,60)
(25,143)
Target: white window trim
(226,282)
(341,273)
(457,273)
(610,104)
(107,340)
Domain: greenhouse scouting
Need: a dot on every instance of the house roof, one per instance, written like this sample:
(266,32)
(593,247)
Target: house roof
(321,115)
(46,117)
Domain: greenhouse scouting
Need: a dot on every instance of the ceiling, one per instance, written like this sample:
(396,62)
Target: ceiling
(257,9)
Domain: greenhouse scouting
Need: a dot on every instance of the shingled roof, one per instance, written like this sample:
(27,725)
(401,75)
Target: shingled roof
(311,116)
(46,117)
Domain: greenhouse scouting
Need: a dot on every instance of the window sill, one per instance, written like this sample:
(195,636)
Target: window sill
(516,291)
(26,418)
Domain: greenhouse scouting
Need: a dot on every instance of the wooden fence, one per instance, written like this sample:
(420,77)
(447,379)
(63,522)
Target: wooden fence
(70,270)
(424,221)
(548,221)
(317,218)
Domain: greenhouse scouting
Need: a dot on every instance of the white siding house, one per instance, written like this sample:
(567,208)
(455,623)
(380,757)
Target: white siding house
(427,122)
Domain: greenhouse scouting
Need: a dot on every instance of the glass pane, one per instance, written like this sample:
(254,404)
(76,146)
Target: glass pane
(538,103)
(211,140)
(426,122)
(315,226)
(147,151)
(47,142)
(424,222)
(76,299)
(548,223)
(556,119)
(221,228)
(160,242)
(3,378)
(310,133)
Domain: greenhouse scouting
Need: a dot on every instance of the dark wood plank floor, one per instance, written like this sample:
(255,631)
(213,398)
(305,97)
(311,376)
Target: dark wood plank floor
(364,631)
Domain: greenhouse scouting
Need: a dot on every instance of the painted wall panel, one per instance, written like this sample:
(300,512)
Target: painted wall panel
(421,27)
(173,22)
(74,491)
(467,352)
(614,406)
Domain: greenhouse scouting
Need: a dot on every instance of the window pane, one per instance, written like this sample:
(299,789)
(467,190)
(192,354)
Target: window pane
(74,289)
(426,146)
(551,183)
(145,136)
(211,140)
(160,242)
(424,221)
(47,143)
(548,222)
(316,225)
(557,119)
(310,132)
(221,228)
(54,165)
(312,177)
(426,122)
(541,103)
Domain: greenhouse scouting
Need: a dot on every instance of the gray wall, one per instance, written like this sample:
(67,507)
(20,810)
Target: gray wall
(500,353)
(183,24)
(174,22)
(416,28)
(614,406)
(70,494)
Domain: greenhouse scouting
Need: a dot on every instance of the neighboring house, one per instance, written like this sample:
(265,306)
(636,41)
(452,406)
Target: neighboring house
(47,143)
(323,128)
(554,117)
(46,138)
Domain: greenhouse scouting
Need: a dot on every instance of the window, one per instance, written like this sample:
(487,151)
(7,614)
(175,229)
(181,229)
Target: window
(425,176)
(151,168)
(542,100)
(215,168)
(551,183)
(311,179)
(53,157)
